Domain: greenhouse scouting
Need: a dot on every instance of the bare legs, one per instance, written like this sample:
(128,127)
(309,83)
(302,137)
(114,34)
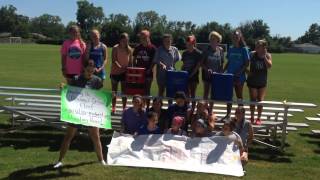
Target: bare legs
(192,86)
(94,135)
(255,96)
(114,86)
(71,131)
(238,88)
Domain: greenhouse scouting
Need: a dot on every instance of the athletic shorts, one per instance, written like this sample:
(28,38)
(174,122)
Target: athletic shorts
(256,86)
(118,77)
(194,79)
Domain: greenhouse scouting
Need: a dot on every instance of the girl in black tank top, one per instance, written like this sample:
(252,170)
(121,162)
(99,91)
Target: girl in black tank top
(260,62)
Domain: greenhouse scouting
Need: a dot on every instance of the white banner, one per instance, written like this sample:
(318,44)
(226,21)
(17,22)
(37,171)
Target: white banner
(209,155)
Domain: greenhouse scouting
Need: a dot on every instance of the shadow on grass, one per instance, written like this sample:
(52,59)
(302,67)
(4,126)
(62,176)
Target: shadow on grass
(47,137)
(313,139)
(262,153)
(46,172)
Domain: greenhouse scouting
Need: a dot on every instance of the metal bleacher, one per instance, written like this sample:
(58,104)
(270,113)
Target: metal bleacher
(37,106)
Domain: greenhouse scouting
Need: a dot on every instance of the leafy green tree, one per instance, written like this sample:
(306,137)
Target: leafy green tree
(10,21)
(114,25)
(254,30)
(48,25)
(311,36)
(89,16)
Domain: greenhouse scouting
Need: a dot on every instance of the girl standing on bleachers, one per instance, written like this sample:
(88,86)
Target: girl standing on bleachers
(238,60)
(260,62)
(72,54)
(121,58)
(165,58)
(97,51)
(143,56)
(213,59)
(191,59)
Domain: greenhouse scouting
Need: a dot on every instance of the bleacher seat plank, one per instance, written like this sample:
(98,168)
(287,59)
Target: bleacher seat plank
(39,105)
(299,125)
(26,108)
(30,95)
(33,100)
(316,132)
(313,119)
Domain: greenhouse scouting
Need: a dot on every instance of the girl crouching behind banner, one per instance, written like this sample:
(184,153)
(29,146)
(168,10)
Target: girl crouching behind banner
(85,80)
(151,127)
(134,117)
(228,131)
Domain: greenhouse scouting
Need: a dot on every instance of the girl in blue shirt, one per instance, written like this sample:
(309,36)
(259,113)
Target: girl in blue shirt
(238,61)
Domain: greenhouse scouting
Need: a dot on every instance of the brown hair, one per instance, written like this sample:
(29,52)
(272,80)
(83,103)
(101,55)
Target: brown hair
(165,36)
(126,36)
(242,42)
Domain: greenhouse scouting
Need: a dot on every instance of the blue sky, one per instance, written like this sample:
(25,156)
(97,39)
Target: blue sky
(285,17)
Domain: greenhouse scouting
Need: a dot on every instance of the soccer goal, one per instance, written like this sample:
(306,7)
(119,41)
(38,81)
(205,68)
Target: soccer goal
(15,40)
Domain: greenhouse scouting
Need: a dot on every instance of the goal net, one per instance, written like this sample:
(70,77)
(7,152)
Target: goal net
(15,40)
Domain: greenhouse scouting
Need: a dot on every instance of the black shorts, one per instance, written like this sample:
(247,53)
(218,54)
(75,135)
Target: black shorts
(194,79)
(118,77)
(256,86)
(206,77)
(71,76)
(78,126)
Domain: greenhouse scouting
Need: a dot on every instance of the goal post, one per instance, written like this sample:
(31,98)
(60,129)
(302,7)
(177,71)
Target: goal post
(15,40)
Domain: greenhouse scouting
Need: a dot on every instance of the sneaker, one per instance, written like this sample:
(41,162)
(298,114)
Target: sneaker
(258,121)
(58,165)
(103,163)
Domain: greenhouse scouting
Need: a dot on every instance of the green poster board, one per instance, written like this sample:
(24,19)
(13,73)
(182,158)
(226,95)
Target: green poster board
(86,107)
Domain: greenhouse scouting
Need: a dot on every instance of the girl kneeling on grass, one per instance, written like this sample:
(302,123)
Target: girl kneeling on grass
(243,128)
(227,131)
(86,80)
(260,62)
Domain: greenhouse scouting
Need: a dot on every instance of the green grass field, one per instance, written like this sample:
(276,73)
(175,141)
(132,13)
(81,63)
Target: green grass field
(28,154)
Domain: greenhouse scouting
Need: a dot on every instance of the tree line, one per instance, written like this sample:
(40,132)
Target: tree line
(50,29)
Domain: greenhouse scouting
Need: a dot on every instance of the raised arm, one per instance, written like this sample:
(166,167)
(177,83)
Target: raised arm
(268,60)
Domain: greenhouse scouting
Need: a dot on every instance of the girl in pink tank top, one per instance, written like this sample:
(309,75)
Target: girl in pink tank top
(72,54)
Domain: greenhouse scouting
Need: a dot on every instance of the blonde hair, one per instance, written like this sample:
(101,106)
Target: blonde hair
(96,31)
(215,34)
(77,29)
(261,42)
